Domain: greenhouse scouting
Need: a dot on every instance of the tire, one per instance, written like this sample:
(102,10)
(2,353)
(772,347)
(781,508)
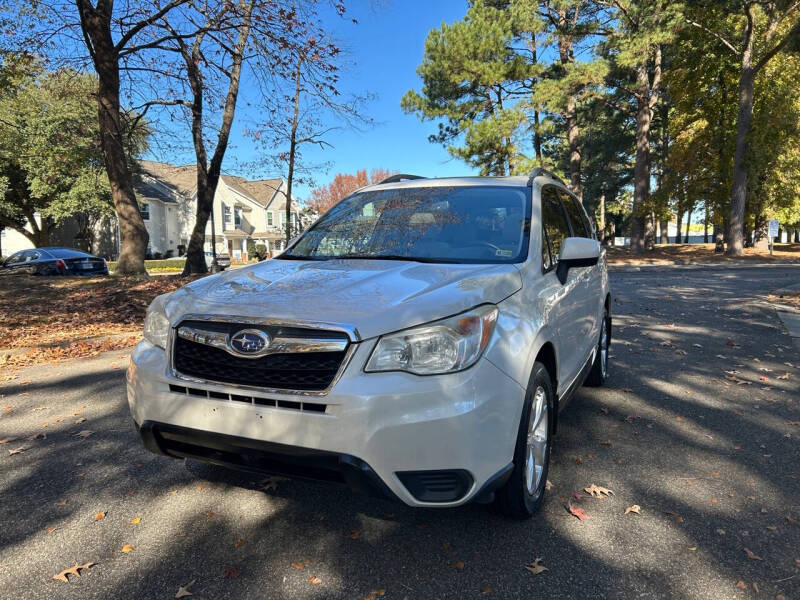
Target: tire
(523,493)
(599,373)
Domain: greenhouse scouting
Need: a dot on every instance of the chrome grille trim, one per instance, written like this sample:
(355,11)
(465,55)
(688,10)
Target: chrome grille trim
(278,345)
(350,331)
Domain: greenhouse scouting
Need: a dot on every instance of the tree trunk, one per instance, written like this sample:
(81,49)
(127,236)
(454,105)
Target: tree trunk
(688,223)
(664,238)
(208,173)
(566,56)
(743,121)
(678,227)
(602,231)
(641,169)
(96,23)
(293,149)
(705,225)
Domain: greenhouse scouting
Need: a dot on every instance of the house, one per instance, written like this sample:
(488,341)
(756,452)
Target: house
(244,211)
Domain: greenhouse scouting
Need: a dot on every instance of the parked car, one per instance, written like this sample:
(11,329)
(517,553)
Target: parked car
(418,342)
(223,260)
(54,261)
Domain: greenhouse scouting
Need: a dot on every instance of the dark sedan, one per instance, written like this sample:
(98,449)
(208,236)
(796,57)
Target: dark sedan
(54,261)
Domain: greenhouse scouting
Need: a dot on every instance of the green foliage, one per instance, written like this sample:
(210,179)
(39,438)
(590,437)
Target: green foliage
(50,158)
(471,79)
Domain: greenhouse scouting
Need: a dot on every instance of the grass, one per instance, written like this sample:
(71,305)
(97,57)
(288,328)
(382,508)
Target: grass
(166,265)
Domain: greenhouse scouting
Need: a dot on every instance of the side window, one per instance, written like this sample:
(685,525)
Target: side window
(577,217)
(554,227)
(16,258)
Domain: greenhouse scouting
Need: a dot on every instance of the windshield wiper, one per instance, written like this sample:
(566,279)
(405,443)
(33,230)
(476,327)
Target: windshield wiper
(420,259)
(285,256)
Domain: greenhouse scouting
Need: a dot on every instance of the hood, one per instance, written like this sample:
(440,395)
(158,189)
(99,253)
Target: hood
(373,296)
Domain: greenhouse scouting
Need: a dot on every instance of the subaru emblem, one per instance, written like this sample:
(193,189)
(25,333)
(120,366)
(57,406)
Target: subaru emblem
(251,343)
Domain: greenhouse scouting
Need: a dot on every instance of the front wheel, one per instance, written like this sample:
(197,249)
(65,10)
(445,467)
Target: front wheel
(523,493)
(599,373)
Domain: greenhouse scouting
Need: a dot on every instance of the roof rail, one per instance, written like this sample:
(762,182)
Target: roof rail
(400,177)
(542,171)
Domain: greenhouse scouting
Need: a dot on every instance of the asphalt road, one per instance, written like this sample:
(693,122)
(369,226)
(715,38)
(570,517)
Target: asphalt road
(711,458)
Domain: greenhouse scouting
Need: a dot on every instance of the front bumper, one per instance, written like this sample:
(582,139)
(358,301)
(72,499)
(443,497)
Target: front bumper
(371,431)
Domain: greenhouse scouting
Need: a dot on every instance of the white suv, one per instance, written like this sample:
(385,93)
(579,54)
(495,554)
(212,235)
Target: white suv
(417,342)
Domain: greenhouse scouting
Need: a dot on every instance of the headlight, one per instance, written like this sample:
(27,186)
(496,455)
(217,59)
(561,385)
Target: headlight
(444,346)
(156,324)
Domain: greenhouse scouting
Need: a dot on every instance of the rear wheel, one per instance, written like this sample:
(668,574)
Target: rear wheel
(523,493)
(599,373)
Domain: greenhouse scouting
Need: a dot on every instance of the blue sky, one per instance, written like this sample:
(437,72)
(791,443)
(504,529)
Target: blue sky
(386,46)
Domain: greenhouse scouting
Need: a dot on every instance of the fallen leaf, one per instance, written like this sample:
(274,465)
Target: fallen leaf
(99,516)
(62,576)
(127,548)
(459,564)
(596,491)
(298,566)
(577,511)
(741,585)
(238,543)
(354,534)
(536,566)
(183,590)
(7,440)
(675,516)
(61,503)
(485,589)
(752,555)
(210,514)
(446,545)
(230,572)
(19,450)
(634,509)
(51,529)
(785,376)
(136,520)
(314,580)
(83,434)
(792,520)
(79,421)
(605,443)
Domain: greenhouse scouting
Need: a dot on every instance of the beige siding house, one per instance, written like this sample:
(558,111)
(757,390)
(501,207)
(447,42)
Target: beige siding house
(243,210)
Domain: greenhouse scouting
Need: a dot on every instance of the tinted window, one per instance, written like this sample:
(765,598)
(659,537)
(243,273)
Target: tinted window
(15,258)
(576,216)
(554,226)
(475,224)
(66,253)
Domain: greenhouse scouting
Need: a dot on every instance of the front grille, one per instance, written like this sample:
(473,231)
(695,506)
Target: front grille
(304,371)
(287,404)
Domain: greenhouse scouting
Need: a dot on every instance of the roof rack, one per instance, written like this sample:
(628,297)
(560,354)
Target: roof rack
(542,171)
(400,177)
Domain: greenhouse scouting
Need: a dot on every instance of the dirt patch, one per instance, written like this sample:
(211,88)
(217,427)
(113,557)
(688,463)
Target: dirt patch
(672,254)
(48,319)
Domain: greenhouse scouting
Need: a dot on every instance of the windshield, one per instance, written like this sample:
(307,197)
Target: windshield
(477,224)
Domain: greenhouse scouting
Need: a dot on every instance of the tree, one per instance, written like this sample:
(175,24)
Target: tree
(55,169)
(311,110)
(227,27)
(472,79)
(342,185)
(763,29)
(636,50)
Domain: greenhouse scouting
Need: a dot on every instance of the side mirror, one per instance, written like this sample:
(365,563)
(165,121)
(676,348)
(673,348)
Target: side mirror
(576,252)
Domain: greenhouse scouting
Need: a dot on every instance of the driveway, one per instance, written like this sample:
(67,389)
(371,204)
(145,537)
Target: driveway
(698,427)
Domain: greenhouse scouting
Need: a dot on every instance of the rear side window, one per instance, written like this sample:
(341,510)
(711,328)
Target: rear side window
(577,217)
(555,228)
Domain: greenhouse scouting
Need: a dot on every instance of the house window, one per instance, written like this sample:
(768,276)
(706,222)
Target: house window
(226,214)
(270,220)
(237,218)
(144,210)
(283,219)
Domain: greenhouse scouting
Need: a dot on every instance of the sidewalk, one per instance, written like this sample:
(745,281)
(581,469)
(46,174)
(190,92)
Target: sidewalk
(789,316)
